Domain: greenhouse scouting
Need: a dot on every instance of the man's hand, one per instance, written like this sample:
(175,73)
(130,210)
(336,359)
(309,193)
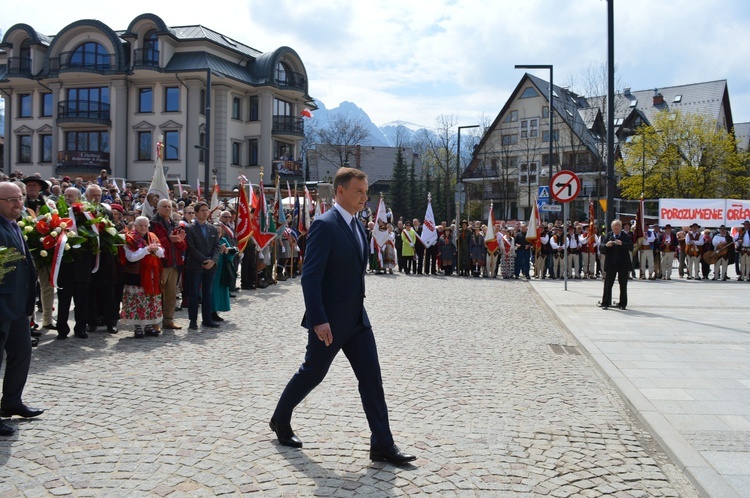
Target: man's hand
(323,331)
(208,264)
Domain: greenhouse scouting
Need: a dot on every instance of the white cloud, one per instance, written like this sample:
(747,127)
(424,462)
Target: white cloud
(415,59)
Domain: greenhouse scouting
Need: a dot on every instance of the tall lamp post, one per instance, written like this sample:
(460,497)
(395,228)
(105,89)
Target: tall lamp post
(458,174)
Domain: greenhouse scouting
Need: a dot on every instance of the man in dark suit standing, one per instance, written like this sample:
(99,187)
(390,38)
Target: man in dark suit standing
(17,296)
(333,284)
(202,255)
(618,247)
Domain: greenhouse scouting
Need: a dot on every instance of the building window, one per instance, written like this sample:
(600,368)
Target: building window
(202,151)
(545,112)
(145,100)
(202,104)
(510,139)
(512,117)
(171,145)
(529,93)
(144,145)
(87,141)
(45,148)
(555,160)
(252,148)
(90,55)
(236,108)
(254,109)
(236,153)
(46,102)
(24,148)
(555,135)
(88,102)
(529,128)
(527,173)
(172,99)
(151,48)
(24,105)
(281,108)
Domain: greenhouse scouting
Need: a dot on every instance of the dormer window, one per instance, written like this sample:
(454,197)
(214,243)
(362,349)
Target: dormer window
(151,48)
(90,55)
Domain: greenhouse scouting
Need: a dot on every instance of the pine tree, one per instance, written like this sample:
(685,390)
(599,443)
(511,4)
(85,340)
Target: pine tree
(400,203)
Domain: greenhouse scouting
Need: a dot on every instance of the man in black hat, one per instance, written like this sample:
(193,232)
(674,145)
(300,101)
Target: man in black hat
(35,186)
(668,248)
(693,243)
(724,247)
(743,248)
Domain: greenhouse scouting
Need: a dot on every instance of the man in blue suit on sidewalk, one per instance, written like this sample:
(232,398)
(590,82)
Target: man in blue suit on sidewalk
(333,284)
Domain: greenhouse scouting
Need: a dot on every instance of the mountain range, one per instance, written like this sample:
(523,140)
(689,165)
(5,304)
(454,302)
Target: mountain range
(385,135)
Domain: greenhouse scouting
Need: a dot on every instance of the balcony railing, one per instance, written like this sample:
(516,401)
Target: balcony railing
(19,66)
(291,80)
(83,111)
(583,167)
(288,125)
(146,57)
(81,60)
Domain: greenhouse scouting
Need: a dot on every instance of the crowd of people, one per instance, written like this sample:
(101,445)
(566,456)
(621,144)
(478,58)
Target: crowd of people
(698,253)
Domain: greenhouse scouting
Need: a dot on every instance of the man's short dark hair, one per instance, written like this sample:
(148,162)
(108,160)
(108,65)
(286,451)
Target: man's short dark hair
(345,175)
(198,205)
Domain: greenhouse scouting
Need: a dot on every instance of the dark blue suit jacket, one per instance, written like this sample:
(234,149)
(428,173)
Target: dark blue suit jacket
(333,275)
(18,288)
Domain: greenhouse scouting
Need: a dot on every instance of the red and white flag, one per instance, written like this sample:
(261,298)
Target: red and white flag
(306,113)
(429,235)
(244,221)
(535,225)
(200,194)
(215,210)
(490,238)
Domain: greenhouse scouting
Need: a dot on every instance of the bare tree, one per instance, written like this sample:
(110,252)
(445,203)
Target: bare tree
(339,139)
(442,156)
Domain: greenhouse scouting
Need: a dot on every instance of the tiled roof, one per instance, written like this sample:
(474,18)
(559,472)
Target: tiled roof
(193,61)
(198,32)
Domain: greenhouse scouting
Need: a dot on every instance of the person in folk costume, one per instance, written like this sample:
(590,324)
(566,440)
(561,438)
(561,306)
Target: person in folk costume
(399,246)
(588,249)
(508,260)
(693,243)
(141,299)
(682,251)
(374,250)
(743,249)
(541,253)
(476,250)
(463,240)
(668,248)
(571,241)
(557,246)
(707,246)
(492,258)
(626,230)
(446,251)
(408,240)
(389,251)
(600,251)
(657,252)
(720,241)
(225,275)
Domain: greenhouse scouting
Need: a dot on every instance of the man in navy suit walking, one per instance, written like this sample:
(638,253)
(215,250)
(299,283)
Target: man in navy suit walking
(333,284)
(17,292)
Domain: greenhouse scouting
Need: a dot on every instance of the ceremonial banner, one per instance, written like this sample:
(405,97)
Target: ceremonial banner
(708,213)
(490,238)
(380,233)
(244,227)
(215,211)
(429,231)
(535,226)
(158,183)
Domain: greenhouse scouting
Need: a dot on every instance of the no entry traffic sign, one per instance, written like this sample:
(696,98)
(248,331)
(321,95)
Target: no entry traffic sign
(564,186)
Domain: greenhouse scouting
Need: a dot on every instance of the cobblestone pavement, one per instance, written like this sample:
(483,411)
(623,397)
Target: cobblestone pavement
(474,389)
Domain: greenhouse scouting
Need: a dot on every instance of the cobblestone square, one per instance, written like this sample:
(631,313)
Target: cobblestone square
(476,385)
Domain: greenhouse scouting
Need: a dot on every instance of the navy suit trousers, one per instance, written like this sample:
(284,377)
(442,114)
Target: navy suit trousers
(16,340)
(361,351)
(201,288)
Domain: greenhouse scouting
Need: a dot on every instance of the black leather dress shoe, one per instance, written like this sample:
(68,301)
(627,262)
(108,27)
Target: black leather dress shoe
(210,325)
(602,306)
(6,430)
(81,335)
(90,328)
(34,342)
(215,317)
(285,434)
(391,455)
(50,326)
(112,329)
(22,411)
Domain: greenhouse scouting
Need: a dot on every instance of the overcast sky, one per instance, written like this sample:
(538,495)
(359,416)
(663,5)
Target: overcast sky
(413,60)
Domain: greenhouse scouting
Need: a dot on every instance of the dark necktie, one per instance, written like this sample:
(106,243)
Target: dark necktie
(353,225)
(19,238)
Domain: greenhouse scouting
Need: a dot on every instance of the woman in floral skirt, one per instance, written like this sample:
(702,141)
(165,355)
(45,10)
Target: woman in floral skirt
(141,298)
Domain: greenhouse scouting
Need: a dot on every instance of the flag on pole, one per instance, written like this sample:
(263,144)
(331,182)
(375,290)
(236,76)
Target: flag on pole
(215,210)
(179,186)
(306,113)
(198,188)
(591,238)
(380,234)
(244,222)
(308,208)
(124,187)
(535,225)
(297,214)
(264,229)
(429,235)
(278,211)
(639,230)
(319,207)
(490,238)
(158,183)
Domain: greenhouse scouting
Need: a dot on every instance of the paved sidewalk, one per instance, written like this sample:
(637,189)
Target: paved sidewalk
(483,384)
(680,356)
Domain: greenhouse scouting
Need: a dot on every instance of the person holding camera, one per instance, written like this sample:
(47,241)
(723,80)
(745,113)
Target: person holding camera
(617,246)
(172,239)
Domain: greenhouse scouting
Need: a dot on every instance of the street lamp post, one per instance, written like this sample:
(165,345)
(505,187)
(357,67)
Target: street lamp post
(458,173)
